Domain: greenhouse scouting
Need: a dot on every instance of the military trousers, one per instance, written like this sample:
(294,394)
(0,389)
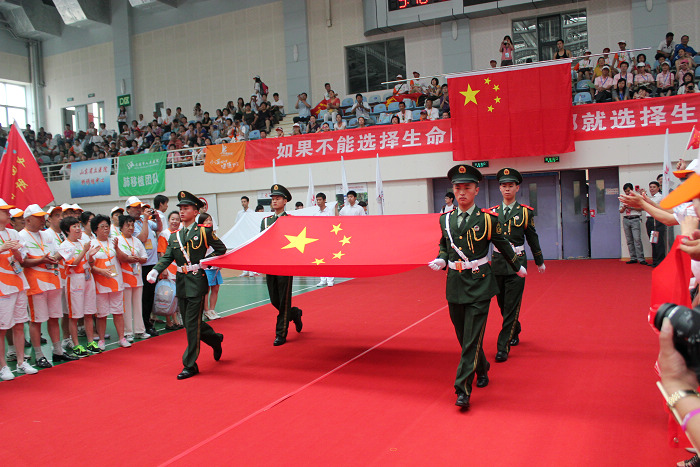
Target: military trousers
(469,321)
(191,309)
(280,290)
(509,297)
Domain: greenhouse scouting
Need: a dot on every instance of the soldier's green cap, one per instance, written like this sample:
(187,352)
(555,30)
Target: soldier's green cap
(463,173)
(187,198)
(279,190)
(507,175)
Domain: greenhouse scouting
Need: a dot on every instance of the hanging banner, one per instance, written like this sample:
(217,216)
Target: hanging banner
(359,143)
(637,117)
(90,178)
(141,174)
(225,158)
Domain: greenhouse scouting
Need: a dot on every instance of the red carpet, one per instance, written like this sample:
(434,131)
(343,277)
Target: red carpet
(579,389)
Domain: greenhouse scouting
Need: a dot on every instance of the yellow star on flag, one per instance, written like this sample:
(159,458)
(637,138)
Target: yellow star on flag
(498,100)
(338,255)
(490,108)
(345,240)
(318,261)
(487,80)
(336,229)
(300,241)
(496,87)
(469,94)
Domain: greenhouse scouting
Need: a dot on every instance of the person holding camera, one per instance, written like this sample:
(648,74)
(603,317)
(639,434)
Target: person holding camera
(303,107)
(506,50)
(146,229)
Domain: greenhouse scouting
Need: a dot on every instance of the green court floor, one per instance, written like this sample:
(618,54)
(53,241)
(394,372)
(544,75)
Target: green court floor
(236,294)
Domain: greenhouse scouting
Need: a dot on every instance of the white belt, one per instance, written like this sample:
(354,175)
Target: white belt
(461,265)
(519,250)
(188,268)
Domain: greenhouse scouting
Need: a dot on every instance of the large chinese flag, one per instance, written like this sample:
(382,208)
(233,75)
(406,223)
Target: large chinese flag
(21,181)
(353,246)
(512,112)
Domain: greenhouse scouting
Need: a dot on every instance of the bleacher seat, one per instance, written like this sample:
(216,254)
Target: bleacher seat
(322,114)
(347,102)
(415,115)
(379,108)
(583,98)
(393,107)
(352,123)
(387,96)
(385,118)
(410,104)
(255,134)
(584,85)
(375,100)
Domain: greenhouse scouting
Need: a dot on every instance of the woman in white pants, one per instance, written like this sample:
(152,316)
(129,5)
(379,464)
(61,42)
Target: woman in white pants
(131,255)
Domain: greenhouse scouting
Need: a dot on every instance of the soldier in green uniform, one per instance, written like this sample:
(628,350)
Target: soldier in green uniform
(280,287)
(518,224)
(187,247)
(467,232)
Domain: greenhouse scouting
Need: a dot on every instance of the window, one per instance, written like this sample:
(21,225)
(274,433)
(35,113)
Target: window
(368,65)
(536,38)
(13,105)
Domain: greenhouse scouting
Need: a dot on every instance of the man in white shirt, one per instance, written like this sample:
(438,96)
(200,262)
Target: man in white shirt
(449,202)
(666,46)
(433,113)
(352,208)
(402,87)
(404,115)
(325,210)
(632,225)
(360,108)
(142,123)
(167,120)
(245,201)
(160,203)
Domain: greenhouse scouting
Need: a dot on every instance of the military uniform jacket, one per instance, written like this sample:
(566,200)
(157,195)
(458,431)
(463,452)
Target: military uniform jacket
(199,239)
(473,238)
(517,227)
(268,221)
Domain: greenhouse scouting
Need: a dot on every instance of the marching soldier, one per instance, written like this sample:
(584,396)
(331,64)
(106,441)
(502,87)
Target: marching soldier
(280,287)
(518,225)
(467,232)
(187,247)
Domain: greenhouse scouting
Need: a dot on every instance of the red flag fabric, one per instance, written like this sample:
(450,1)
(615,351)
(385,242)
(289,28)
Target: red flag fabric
(21,181)
(400,97)
(353,246)
(323,105)
(670,279)
(694,141)
(512,112)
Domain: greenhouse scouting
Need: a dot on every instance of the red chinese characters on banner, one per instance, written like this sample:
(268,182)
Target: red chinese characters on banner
(638,117)
(360,143)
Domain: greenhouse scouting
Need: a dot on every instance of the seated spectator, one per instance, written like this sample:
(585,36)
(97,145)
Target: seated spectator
(623,55)
(685,47)
(65,170)
(431,112)
(156,146)
(206,122)
(29,135)
(333,106)
(506,50)
(623,74)
(687,79)
(254,102)
(41,135)
(325,127)
(263,98)
(404,115)
(667,46)
(606,56)
(76,149)
(239,110)
(141,122)
(277,108)
(584,67)
(296,129)
(417,84)
(179,115)
(598,70)
(493,63)
(643,78)
(621,91)
(313,126)
(280,131)
(402,87)
(241,130)
(263,133)
(665,80)
(263,118)
(690,88)
(68,134)
(682,55)
(641,58)
(339,122)
(643,92)
(327,91)
(174,158)
(123,147)
(423,117)
(113,151)
(198,115)
(603,86)
(434,90)
(443,103)
(219,120)
(682,69)
(361,122)
(660,59)
(167,119)
(303,107)
(248,115)
(395,120)
(360,108)
(561,52)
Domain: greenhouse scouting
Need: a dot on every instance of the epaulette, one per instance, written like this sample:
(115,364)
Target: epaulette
(489,211)
(528,207)
(494,208)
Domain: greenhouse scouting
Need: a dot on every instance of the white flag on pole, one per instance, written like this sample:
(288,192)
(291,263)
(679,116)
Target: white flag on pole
(666,179)
(311,195)
(344,180)
(274,173)
(380,190)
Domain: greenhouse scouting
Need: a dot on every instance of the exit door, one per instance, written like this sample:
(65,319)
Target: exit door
(574,214)
(604,214)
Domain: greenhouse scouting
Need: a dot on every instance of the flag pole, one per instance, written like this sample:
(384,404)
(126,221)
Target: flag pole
(344,180)
(380,190)
(274,173)
(310,195)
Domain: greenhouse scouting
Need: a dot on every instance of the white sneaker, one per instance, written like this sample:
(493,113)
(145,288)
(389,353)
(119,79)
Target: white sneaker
(129,337)
(211,314)
(330,283)
(100,344)
(124,343)
(11,356)
(67,344)
(141,335)
(6,374)
(27,369)
(320,284)
(244,274)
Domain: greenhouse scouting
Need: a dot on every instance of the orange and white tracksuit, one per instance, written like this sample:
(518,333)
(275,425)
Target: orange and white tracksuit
(13,285)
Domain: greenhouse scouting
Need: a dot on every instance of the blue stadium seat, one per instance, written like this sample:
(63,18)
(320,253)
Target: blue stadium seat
(379,108)
(584,85)
(322,114)
(387,96)
(415,115)
(352,123)
(255,134)
(385,118)
(409,104)
(697,72)
(375,100)
(393,107)
(583,98)
(347,102)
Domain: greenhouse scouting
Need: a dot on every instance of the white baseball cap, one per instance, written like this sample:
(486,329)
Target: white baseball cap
(53,208)
(65,206)
(75,207)
(4,205)
(34,210)
(115,209)
(133,202)
(16,212)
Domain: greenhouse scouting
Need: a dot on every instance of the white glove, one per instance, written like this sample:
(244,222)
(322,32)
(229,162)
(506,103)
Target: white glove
(152,276)
(541,268)
(522,272)
(437,264)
